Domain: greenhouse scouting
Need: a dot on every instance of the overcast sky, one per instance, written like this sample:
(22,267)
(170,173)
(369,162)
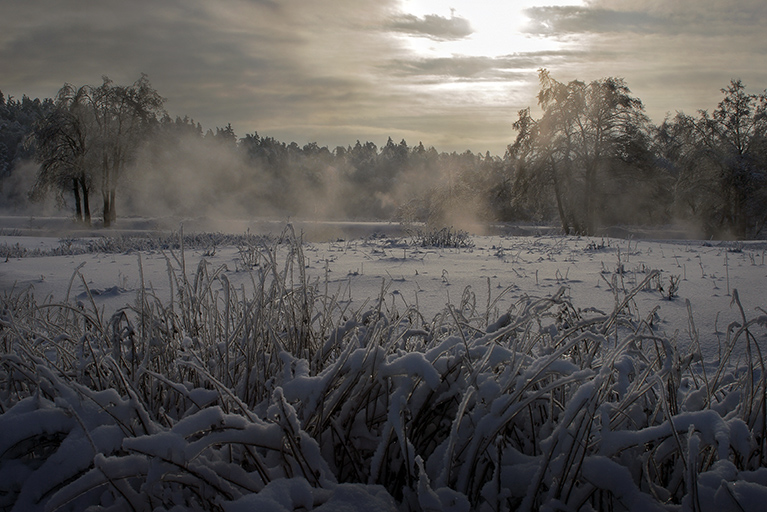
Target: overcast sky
(452,74)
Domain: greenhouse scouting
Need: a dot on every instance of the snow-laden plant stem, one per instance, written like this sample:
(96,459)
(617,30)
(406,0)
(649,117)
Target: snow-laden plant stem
(204,400)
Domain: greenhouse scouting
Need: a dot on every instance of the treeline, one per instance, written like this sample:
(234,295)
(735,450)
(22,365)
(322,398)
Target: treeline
(17,119)
(592,159)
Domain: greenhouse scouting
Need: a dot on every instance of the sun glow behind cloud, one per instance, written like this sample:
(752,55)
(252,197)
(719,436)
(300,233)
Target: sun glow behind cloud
(497,28)
(473,58)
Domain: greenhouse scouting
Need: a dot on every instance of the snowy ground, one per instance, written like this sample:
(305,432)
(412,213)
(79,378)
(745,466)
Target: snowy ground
(250,391)
(498,270)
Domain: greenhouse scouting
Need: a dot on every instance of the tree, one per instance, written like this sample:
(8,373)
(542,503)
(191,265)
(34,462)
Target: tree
(589,137)
(17,120)
(226,136)
(734,139)
(62,150)
(677,146)
(534,173)
(92,136)
(123,117)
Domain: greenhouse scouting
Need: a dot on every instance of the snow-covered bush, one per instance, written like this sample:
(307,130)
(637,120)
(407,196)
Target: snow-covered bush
(441,237)
(282,398)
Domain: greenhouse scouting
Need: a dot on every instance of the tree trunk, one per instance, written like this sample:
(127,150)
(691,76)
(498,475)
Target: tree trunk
(110,215)
(107,209)
(741,219)
(571,208)
(78,204)
(560,200)
(590,193)
(112,211)
(86,202)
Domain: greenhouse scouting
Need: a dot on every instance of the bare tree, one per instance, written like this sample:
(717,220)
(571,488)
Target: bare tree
(122,117)
(92,136)
(63,148)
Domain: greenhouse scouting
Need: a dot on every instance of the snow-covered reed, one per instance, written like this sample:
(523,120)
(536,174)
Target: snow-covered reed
(68,246)
(441,237)
(279,396)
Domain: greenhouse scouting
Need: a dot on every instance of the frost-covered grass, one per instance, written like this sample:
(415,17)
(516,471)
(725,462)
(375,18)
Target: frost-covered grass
(125,243)
(441,237)
(279,396)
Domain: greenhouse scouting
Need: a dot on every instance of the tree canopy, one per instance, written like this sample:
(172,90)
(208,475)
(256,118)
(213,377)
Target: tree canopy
(91,136)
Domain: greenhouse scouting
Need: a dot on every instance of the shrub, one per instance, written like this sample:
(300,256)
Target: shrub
(442,237)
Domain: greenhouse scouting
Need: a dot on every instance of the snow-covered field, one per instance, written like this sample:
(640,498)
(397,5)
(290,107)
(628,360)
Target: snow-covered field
(512,372)
(501,269)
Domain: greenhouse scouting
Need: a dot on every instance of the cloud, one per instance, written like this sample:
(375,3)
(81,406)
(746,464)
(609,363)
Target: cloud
(560,20)
(675,56)
(479,68)
(333,71)
(455,67)
(183,41)
(433,26)
(260,65)
(703,17)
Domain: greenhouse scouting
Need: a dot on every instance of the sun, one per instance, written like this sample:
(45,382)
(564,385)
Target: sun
(498,27)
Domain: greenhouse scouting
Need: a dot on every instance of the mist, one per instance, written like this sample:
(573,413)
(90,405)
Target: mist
(15,189)
(638,178)
(215,181)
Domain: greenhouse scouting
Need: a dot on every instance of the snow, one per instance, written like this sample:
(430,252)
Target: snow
(492,348)
(296,494)
(498,271)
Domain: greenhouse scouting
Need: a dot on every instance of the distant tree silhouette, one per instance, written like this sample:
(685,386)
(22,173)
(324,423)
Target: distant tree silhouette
(123,115)
(17,120)
(226,136)
(92,136)
(592,159)
(64,150)
(734,138)
(589,138)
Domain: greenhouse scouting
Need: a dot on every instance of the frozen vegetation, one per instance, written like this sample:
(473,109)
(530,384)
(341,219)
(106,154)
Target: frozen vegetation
(264,373)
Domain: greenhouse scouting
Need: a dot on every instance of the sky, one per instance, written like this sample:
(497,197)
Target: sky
(451,74)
